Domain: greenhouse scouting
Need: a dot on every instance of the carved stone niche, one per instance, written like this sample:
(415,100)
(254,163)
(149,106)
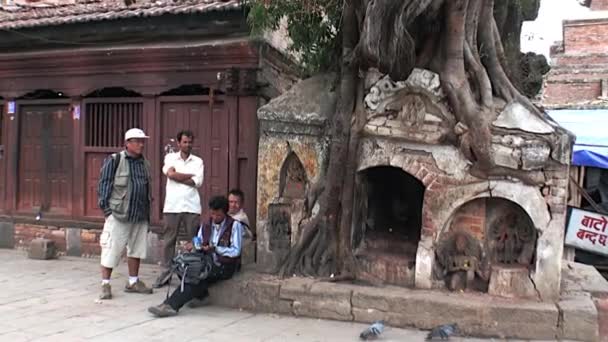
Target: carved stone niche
(489,247)
(279,227)
(511,243)
(287,210)
(463,262)
(293,180)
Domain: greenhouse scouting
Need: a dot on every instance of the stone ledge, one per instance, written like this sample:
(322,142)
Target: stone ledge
(477,315)
(578,318)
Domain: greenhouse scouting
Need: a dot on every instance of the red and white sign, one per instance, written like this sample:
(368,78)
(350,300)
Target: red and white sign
(588,231)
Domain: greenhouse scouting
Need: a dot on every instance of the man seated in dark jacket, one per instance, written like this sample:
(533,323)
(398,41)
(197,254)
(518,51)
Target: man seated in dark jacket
(221,238)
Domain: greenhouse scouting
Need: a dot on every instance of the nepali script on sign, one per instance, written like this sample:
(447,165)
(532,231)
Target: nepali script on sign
(587,231)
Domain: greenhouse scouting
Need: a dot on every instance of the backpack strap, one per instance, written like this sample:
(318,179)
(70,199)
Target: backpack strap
(116,157)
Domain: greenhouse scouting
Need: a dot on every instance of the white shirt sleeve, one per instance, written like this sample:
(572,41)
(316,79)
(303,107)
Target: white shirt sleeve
(168,163)
(199,174)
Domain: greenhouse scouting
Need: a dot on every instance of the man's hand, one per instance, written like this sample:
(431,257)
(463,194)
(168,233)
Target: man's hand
(188,246)
(171,172)
(208,249)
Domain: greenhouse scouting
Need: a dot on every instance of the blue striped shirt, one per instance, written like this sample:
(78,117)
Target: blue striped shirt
(139,202)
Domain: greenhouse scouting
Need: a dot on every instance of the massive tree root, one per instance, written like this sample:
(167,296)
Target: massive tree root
(457,39)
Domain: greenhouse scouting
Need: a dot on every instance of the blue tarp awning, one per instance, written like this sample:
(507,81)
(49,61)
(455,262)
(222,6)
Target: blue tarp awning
(591,130)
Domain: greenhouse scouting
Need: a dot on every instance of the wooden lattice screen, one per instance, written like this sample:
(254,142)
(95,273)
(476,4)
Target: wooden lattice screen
(106,123)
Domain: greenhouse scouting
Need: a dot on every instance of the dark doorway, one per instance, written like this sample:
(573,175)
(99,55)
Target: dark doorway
(391,223)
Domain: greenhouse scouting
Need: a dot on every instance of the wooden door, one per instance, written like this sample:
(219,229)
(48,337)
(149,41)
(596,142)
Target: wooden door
(211,142)
(45,159)
(3,156)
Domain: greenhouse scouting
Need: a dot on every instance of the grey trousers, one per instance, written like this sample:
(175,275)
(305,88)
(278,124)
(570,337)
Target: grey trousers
(184,225)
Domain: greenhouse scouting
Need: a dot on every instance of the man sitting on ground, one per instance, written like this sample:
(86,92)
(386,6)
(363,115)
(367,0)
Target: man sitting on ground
(221,238)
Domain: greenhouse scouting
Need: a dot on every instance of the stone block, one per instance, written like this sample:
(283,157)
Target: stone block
(427,80)
(474,314)
(384,131)
(520,319)
(534,157)
(378,121)
(513,282)
(245,292)
(602,315)
(578,278)
(322,300)
(579,319)
(505,156)
(7,235)
(248,253)
(425,258)
(89,236)
(516,116)
(42,249)
(73,242)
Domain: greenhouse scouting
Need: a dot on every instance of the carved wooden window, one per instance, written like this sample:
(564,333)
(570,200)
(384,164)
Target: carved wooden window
(106,123)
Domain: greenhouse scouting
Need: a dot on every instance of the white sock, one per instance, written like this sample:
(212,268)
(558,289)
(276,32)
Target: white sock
(133,280)
(105,281)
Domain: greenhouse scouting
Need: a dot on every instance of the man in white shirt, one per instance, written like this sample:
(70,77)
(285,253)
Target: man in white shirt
(182,207)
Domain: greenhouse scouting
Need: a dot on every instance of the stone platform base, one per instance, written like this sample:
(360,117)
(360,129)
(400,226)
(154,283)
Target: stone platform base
(477,315)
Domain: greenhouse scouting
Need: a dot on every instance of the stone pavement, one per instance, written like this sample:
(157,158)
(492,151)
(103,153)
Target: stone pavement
(56,301)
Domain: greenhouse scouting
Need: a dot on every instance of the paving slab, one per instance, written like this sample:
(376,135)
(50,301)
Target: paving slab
(55,300)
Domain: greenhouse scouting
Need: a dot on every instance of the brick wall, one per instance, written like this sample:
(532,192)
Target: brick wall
(586,36)
(75,241)
(578,67)
(472,218)
(25,233)
(599,5)
(571,92)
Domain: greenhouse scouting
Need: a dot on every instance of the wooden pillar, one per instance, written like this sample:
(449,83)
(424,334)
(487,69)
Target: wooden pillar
(233,168)
(575,199)
(151,125)
(3,145)
(79,168)
(248,154)
(11,153)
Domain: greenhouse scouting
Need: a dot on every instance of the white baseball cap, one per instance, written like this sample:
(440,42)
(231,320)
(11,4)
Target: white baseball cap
(135,133)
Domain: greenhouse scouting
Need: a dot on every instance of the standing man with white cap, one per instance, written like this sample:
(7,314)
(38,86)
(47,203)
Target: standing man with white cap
(124,195)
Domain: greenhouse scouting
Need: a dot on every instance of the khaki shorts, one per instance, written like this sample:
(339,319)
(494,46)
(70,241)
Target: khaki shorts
(116,235)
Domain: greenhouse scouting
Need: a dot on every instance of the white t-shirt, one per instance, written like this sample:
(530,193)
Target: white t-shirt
(182,198)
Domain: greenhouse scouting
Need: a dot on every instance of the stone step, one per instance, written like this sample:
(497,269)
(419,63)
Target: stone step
(476,314)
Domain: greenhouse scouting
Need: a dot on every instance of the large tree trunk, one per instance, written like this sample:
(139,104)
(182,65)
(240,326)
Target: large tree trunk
(458,39)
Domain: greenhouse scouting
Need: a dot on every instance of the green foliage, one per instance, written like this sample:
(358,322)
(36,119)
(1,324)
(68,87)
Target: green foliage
(312,25)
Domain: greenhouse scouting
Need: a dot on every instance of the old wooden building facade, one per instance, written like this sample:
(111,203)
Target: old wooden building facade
(75,75)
